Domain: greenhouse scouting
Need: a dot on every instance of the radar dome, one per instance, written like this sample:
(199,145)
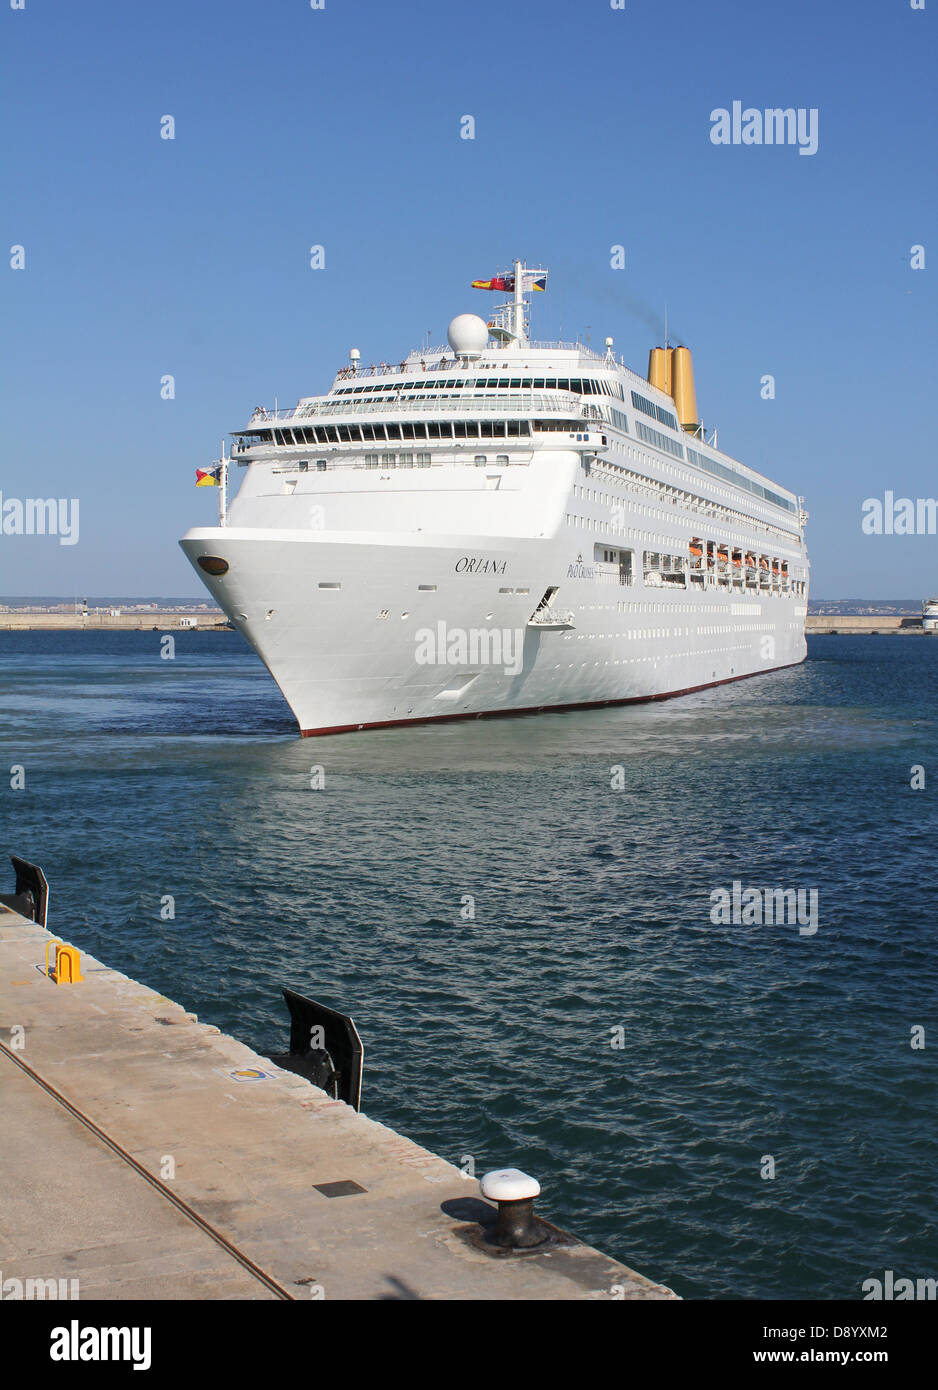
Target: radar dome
(468,335)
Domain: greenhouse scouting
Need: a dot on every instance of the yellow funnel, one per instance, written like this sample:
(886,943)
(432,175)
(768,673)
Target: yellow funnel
(659,369)
(682,387)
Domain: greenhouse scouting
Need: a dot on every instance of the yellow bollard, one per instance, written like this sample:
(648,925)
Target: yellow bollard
(67,969)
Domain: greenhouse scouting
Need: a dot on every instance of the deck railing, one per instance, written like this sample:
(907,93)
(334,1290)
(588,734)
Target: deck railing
(526,403)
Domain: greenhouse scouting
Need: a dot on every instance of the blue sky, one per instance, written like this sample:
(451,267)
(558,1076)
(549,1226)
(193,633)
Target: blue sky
(340,127)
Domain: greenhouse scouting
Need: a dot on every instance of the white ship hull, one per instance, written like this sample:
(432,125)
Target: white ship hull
(343,666)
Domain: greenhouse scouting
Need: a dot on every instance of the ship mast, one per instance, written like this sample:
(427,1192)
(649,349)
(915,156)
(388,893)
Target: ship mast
(509,322)
(517,318)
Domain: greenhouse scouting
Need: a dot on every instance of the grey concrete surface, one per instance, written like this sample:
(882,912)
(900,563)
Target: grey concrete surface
(243,1155)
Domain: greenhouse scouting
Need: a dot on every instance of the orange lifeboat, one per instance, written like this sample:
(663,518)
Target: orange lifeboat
(696,548)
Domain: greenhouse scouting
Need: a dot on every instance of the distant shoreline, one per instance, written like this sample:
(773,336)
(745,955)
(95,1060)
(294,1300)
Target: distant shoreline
(161,621)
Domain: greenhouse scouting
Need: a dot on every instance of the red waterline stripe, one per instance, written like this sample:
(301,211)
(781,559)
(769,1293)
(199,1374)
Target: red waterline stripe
(538,709)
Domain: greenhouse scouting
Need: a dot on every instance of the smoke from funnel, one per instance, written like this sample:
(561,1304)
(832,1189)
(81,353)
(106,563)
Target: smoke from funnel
(624,303)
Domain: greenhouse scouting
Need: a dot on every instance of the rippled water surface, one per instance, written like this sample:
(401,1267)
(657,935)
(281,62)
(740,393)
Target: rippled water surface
(493,1037)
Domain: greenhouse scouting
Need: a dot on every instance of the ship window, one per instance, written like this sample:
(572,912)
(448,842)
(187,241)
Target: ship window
(394,431)
(563,383)
(659,440)
(481,459)
(321,465)
(501,458)
(331,434)
(576,385)
(516,381)
(538,382)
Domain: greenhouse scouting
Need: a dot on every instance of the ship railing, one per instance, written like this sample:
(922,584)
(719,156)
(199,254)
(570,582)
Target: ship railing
(439,359)
(526,403)
(415,362)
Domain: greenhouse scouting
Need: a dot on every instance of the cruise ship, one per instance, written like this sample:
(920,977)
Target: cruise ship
(930,614)
(500,526)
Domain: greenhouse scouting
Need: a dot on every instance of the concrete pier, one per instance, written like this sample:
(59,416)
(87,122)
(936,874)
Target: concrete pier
(163,620)
(854,624)
(148,1155)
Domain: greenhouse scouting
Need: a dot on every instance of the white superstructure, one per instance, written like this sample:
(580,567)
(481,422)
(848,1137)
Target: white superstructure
(930,615)
(500,526)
